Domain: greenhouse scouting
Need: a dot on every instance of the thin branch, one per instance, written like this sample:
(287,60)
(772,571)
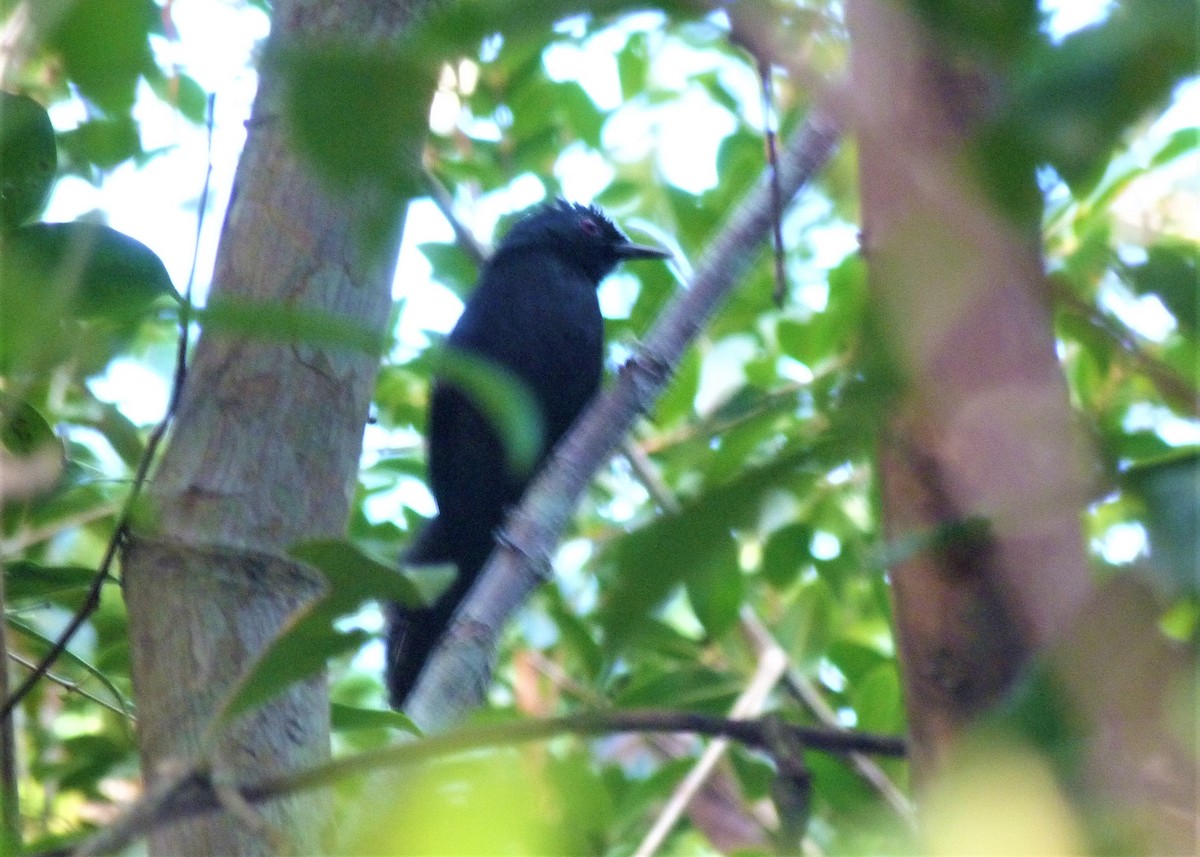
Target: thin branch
(803,688)
(457,675)
(467,241)
(771,666)
(74,687)
(1173,387)
(10,791)
(193,793)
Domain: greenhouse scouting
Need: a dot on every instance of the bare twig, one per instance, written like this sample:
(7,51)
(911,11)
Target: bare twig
(10,794)
(467,241)
(74,687)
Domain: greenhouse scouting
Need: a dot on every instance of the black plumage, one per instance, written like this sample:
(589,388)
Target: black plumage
(535,315)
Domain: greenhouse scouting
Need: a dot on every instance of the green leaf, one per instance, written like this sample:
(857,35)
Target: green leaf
(650,562)
(356,576)
(451,266)
(308,639)
(715,589)
(272,321)
(99,271)
(28,158)
(1170,490)
(184,93)
(302,648)
(691,687)
(1171,271)
(877,700)
(358,113)
(347,718)
(786,553)
(25,580)
(43,647)
(503,398)
(101,142)
(104,45)
(1071,102)
(23,431)
(1182,142)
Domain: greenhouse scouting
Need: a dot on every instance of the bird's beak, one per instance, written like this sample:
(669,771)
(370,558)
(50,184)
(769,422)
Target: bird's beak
(640,251)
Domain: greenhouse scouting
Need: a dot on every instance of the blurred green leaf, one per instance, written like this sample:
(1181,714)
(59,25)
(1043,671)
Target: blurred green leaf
(102,272)
(1171,271)
(358,113)
(28,158)
(104,45)
(43,646)
(451,266)
(786,553)
(25,580)
(345,718)
(23,430)
(1170,489)
(356,576)
(715,589)
(1072,101)
(271,321)
(992,30)
(101,142)
(309,639)
(507,403)
(302,648)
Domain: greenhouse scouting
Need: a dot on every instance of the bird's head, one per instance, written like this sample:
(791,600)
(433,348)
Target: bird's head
(582,235)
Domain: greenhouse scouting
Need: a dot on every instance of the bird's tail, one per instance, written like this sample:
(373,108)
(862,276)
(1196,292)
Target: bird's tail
(414,632)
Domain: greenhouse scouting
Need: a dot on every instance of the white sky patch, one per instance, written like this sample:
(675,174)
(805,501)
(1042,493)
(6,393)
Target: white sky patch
(618,294)
(582,172)
(1145,315)
(825,545)
(1122,543)
(690,131)
(1172,428)
(813,295)
(793,370)
(594,68)
(721,372)
(140,393)
(1064,17)
(429,306)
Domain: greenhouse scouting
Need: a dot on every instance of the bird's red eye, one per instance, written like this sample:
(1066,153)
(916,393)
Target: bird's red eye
(589,226)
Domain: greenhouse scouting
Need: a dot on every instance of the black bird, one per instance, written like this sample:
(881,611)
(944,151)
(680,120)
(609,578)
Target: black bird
(534,314)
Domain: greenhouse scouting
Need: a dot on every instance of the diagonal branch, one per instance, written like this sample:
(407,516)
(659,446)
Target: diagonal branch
(457,675)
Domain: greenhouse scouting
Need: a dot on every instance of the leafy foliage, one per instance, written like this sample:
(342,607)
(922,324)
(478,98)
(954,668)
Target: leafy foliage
(764,445)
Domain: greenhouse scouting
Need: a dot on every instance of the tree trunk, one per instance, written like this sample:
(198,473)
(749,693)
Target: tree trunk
(983,431)
(264,453)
